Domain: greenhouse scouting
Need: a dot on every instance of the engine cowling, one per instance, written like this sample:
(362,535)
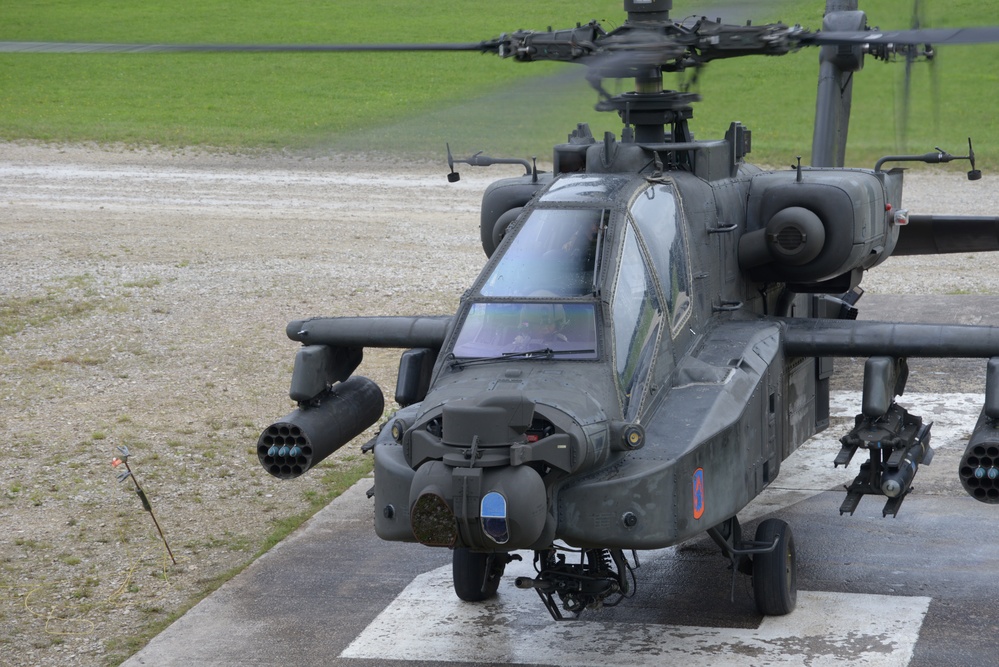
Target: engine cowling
(502,202)
(823,229)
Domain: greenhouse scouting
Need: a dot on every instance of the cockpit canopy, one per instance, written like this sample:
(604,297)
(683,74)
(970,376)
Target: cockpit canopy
(546,289)
(553,255)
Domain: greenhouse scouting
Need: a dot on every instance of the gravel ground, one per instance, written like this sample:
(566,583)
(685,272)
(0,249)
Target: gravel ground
(142,304)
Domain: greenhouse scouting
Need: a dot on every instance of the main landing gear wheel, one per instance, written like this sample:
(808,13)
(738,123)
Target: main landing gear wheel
(476,576)
(775,578)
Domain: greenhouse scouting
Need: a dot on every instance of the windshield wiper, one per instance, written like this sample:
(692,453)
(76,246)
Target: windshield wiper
(540,353)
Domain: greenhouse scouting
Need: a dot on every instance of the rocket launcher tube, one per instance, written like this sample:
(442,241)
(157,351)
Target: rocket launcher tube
(292,445)
(979,467)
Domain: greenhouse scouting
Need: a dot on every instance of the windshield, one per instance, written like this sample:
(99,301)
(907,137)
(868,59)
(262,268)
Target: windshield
(498,329)
(554,254)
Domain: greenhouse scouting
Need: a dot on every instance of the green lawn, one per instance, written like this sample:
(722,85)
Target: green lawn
(416,102)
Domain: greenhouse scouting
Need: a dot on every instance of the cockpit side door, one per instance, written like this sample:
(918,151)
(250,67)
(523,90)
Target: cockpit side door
(637,315)
(655,222)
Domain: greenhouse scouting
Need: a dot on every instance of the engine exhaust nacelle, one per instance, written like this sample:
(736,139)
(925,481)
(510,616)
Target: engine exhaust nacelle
(816,230)
(294,444)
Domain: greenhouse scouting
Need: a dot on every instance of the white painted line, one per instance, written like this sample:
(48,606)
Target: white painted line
(427,622)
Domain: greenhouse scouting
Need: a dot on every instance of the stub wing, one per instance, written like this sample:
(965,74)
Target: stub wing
(334,405)
(392,331)
(942,234)
(849,338)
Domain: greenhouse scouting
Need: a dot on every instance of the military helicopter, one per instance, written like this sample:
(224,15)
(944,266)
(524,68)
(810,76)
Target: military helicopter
(653,332)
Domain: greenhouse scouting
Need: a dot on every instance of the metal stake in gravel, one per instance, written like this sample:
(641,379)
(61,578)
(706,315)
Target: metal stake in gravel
(123,459)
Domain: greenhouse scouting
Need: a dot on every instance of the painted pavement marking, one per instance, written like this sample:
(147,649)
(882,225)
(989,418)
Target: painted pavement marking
(427,622)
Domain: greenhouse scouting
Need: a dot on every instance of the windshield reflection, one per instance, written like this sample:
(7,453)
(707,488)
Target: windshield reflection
(495,329)
(554,254)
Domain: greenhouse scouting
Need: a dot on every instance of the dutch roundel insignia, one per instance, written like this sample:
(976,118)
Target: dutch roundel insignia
(698,493)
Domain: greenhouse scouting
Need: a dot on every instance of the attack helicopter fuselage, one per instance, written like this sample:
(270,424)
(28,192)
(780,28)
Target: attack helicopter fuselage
(652,335)
(629,370)
(610,374)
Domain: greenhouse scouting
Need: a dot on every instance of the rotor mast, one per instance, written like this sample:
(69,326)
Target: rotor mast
(650,108)
(650,81)
(648,10)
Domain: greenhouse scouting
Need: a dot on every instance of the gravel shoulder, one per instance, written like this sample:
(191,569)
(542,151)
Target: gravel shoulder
(143,301)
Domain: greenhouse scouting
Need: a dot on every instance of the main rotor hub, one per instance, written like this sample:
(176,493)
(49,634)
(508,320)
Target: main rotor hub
(651,112)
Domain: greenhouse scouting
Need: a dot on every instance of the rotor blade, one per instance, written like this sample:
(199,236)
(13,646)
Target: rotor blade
(978,35)
(903,130)
(86,47)
(910,58)
(628,62)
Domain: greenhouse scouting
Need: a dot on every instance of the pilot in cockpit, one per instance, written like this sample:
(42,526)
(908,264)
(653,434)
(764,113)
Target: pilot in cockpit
(583,242)
(540,326)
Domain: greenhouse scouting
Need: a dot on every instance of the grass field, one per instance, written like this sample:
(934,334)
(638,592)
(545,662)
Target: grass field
(413,103)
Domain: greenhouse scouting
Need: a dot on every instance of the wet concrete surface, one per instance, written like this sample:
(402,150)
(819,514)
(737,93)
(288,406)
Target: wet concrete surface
(308,599)
(942,547)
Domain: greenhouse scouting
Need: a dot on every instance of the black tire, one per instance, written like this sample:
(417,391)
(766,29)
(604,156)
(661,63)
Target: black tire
(775,577)
(469,573)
